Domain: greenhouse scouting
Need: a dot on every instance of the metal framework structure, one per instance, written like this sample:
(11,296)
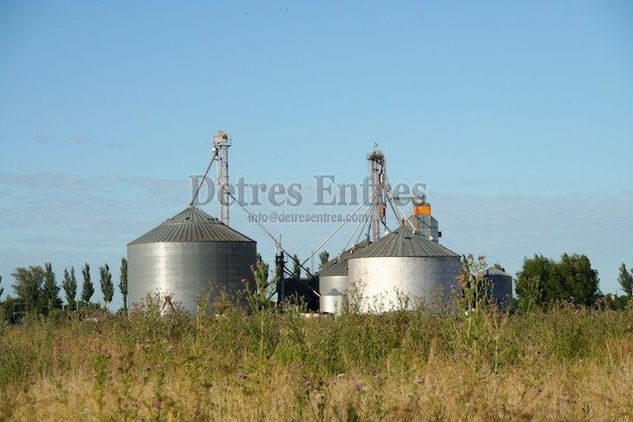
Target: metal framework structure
(221,144)
(378,167)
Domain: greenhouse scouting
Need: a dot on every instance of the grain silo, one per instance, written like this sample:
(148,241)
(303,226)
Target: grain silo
(333,302)
(334,282)
(400,270)
(187,253)
(501,286)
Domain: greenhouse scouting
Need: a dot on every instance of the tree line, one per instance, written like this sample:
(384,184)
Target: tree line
(542,282)
(37,291)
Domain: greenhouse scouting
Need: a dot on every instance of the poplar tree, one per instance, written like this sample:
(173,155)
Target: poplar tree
(625,278)
(296,269)
(87,289)
(107,287)
(70,287)
(123,282)
(324,257)
(51,289)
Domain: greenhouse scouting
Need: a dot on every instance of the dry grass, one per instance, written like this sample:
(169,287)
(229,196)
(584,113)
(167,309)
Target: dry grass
(567,364)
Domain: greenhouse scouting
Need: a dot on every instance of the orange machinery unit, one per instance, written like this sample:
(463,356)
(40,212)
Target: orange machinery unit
(421,209)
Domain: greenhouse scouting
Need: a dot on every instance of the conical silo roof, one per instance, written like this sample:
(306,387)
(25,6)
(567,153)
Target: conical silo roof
(495,271)
(338,266)
(404,243)
(192,225)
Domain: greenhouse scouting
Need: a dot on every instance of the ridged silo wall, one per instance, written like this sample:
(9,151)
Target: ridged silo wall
(382,284)
(501,289)
(184,269)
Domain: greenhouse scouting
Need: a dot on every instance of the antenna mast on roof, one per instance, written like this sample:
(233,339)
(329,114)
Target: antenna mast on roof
(221,144)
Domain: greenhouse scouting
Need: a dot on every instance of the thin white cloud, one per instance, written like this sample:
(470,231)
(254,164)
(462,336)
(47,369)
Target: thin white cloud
(78,140)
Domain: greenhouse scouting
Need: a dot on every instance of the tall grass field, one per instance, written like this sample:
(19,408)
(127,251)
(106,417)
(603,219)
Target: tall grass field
(562,364)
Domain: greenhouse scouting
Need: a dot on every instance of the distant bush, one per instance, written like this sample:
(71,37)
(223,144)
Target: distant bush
(543,282)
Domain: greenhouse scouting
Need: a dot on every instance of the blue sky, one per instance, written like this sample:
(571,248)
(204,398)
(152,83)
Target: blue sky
(518,116)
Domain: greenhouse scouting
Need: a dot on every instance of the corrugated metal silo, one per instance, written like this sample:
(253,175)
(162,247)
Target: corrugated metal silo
(399,270)
(501,286)
(333,302)
(186,253)
(333,276)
